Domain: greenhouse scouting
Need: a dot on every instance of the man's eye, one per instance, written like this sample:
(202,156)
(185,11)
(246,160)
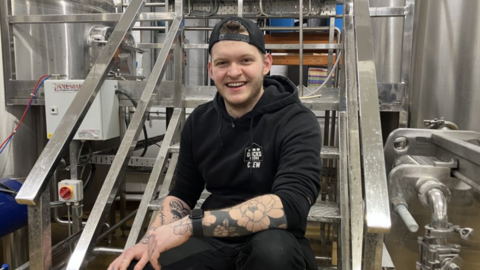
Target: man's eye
(221,63)
(247,60)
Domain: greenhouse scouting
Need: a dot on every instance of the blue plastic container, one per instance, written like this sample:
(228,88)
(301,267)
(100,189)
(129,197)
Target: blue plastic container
(13,215)
(338,21)
(282,22)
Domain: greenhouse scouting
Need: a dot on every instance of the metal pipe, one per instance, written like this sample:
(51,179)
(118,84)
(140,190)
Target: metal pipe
(117,225)
(59,247)
(149,5)
(300,52)
(62,245)
(240,8)
(63,222)
(149,28)
(54,196)
(438,205)
(465,179)
(407,218)
(74,150)
(268,28)
(107,250)
(323,258)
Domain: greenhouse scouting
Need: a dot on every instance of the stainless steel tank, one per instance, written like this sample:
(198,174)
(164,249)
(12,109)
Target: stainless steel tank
(387,36)
(40,49)
(446,63)
(60,48)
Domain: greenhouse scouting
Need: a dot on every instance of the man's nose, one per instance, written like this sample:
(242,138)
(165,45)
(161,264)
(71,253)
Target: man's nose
(234,70)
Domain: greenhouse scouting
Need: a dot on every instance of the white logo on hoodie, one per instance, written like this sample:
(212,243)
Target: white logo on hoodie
(253,156)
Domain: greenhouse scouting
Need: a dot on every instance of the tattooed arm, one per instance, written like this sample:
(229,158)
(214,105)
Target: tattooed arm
(172,209)
(257,214)
(172,227)
(167,231)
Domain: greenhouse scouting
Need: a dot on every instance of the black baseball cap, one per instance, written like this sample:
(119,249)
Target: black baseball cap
(255,35)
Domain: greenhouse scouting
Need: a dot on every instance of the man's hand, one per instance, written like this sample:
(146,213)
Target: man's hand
(156,241)
(138,252)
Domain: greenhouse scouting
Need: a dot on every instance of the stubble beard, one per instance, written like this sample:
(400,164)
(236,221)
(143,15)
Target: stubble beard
(252,98)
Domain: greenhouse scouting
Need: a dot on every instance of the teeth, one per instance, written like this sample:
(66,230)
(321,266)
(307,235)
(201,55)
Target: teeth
(235,84)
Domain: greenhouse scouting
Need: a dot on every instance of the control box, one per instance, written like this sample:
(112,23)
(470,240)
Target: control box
(101,121)
(70,190)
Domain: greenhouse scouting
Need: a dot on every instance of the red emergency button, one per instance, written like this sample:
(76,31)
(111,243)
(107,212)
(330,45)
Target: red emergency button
(66,192)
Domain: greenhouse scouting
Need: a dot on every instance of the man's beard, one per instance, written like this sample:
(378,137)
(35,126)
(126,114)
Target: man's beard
(253,96)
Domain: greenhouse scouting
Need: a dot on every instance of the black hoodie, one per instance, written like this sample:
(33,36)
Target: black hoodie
(273,149)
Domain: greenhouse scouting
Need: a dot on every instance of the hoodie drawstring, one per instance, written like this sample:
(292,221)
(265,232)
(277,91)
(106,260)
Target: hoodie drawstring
(251,144)
(219,119)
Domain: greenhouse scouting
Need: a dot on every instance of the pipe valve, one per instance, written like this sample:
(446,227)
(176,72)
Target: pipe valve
(464,233)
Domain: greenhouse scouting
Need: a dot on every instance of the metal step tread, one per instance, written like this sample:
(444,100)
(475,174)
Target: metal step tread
(155,204)
(330,152)
(323,211)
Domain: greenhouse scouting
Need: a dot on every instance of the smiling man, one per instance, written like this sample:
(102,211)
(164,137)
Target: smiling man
(256,149)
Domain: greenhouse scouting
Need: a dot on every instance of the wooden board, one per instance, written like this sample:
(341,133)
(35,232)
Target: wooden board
(308,59)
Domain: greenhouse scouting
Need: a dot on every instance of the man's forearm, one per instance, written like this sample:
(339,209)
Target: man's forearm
(257,214)
(171,210)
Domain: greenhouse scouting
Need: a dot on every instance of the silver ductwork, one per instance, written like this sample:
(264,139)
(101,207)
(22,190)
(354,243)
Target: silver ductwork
(387,36)
(54,48)
(445,63)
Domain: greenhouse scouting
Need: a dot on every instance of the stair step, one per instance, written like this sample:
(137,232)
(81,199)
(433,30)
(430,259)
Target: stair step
(327,212)
(155,204)
(330,152)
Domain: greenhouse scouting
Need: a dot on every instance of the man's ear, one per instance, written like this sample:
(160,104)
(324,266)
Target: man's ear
(267,63)
(210,73)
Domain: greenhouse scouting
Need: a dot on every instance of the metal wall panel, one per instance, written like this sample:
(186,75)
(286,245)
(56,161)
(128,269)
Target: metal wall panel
(446,63)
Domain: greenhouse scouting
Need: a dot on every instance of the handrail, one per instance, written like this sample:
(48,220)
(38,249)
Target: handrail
(377,210)
(117,170)
(37,180)
(86,18)
(353,147)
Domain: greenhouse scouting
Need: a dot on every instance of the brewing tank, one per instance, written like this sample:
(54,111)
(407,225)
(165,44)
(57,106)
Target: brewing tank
(387,33)
(446,63)
(60,48)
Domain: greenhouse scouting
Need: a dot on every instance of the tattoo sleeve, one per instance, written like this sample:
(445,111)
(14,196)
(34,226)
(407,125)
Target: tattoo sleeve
(178,210)
(161,215)
(258,214)
(148,235)
(182,228)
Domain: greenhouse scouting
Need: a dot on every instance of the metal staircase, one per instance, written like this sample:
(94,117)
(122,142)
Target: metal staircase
(358,209)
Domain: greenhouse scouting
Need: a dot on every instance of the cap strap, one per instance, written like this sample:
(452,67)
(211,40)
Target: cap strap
(231,36)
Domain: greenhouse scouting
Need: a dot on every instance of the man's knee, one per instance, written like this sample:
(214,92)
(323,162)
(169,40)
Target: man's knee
(275,249)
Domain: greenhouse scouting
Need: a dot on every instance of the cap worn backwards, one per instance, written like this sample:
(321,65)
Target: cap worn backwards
(255,35)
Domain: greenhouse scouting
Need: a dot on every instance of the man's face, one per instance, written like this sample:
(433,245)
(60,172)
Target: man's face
(237,68)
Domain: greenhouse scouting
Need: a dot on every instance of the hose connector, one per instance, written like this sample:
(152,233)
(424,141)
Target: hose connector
(400,206)
(424,185)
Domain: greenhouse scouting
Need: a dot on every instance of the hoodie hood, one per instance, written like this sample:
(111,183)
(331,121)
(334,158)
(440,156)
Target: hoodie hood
(274,149)
(279,91)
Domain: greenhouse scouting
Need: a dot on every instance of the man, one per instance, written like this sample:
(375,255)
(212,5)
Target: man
(256,149)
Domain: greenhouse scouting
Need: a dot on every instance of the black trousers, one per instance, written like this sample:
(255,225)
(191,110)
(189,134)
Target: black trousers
(270,249)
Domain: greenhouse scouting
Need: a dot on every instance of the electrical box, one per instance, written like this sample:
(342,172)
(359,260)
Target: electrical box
(101,121)
(70,190)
